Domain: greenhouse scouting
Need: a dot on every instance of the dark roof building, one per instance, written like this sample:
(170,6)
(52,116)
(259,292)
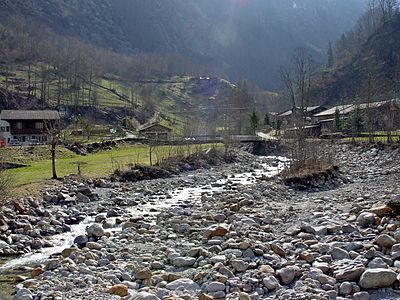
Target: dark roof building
(29,126)
(155,131)
(29,115)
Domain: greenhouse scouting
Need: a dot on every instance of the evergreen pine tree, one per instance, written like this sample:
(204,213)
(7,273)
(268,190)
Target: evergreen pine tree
(338,122)
(267,120)
(254,121)
(330,60)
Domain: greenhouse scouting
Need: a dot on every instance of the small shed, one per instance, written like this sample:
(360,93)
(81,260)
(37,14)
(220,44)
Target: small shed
(155,131)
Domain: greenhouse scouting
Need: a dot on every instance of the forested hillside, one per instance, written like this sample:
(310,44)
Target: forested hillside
(366,59)
(243,39)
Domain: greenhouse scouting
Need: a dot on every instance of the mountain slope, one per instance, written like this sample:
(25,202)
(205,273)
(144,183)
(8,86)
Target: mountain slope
(241,38)
(374,69)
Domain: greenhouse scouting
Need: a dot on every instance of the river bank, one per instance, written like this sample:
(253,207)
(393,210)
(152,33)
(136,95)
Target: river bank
(230,233)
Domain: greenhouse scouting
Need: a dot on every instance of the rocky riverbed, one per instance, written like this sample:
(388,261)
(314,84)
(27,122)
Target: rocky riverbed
(211,234)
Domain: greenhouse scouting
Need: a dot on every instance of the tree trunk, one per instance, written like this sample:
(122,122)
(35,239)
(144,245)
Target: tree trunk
(53,160)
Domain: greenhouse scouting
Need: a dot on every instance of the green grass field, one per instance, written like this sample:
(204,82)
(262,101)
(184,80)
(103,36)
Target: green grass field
(378,136)
(97,165)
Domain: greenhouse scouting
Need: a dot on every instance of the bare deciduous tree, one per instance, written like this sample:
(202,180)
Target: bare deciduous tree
(53,133)
(296,79)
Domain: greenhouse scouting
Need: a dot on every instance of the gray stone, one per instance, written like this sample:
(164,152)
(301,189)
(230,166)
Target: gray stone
(93,245)
(377,263)
(95,230)
(144,296)
(23,294)
(3,244)
(338,254)
(37,244)
(361,296)
(385,241)
(81,240)
(143,274)
(52,264)
(345,288)
(287,274)
(217,295)
(184,283)
(184,261)
(366,219)
(348,270)
(377,278)
(218,259)
(270,282)
(239,265)
(215,287)
(395,251)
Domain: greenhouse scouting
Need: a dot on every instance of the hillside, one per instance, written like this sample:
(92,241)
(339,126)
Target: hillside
(243,39)
(373,71)
(180,100)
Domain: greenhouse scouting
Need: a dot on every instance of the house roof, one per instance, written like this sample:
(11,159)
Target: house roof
(348,108)
(30,115)
(307,109)
(149,125)
(331,111)
(378,104)
(286,113)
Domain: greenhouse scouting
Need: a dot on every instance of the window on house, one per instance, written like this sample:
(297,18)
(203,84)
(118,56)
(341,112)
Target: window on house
(39,125)
(18,125)
(2,129)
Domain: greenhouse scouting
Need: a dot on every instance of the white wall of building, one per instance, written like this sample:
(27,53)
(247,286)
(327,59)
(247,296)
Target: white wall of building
(5,133)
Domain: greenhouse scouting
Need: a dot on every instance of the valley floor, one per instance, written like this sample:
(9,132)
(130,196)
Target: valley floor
(212,234)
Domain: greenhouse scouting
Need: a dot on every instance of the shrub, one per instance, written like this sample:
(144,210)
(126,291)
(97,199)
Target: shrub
(5,183)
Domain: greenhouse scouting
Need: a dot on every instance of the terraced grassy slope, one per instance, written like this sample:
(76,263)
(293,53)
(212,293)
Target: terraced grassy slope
(180,100)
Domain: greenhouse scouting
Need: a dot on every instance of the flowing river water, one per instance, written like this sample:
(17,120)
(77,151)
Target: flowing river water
(10,268)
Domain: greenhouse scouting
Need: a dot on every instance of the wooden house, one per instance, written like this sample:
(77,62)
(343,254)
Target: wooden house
(29,126)
(155,131)
(290,117)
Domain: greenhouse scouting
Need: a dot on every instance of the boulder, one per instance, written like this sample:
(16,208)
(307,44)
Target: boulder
(278,250)
(381,211)
(185,283)
(81,241)
(361,296)
(345,288)
(271,283)
(184,261)
(95,230)
(366,219)
(377,278)
(377,263)
(348,270)
(93,245)
(36,272)
(216,230)
(144,296)
(395,251)
(287,274)
(338,254)
(385,241)
(143,274)
(119,290)
(239,265)
(215,287)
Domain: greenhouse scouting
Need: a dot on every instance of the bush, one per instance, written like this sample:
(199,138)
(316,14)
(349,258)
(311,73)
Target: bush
(307,156)
(5,182)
